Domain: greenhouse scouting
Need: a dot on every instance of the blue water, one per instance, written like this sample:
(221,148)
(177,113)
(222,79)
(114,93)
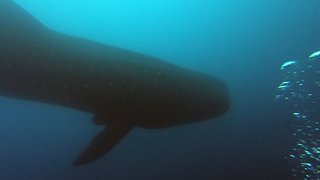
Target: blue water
(243,43)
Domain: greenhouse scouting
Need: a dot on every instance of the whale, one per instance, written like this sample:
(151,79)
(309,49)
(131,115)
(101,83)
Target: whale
(122,89)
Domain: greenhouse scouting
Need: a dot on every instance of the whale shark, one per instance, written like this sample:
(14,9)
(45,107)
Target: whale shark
(121,88)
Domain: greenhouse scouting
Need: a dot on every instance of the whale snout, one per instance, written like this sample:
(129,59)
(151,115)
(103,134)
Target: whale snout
(220,100)
(215,99)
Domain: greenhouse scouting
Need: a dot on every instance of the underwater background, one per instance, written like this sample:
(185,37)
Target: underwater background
(270,132)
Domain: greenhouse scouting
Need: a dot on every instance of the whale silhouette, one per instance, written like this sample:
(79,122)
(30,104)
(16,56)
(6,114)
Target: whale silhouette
(123,89)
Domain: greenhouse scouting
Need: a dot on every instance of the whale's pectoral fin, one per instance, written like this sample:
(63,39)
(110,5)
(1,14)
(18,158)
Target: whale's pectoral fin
(102,143)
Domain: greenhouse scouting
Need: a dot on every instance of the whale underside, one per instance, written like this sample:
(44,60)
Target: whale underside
(123,89)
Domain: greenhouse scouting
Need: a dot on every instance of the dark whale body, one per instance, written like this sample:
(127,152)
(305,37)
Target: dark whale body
(123,89)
